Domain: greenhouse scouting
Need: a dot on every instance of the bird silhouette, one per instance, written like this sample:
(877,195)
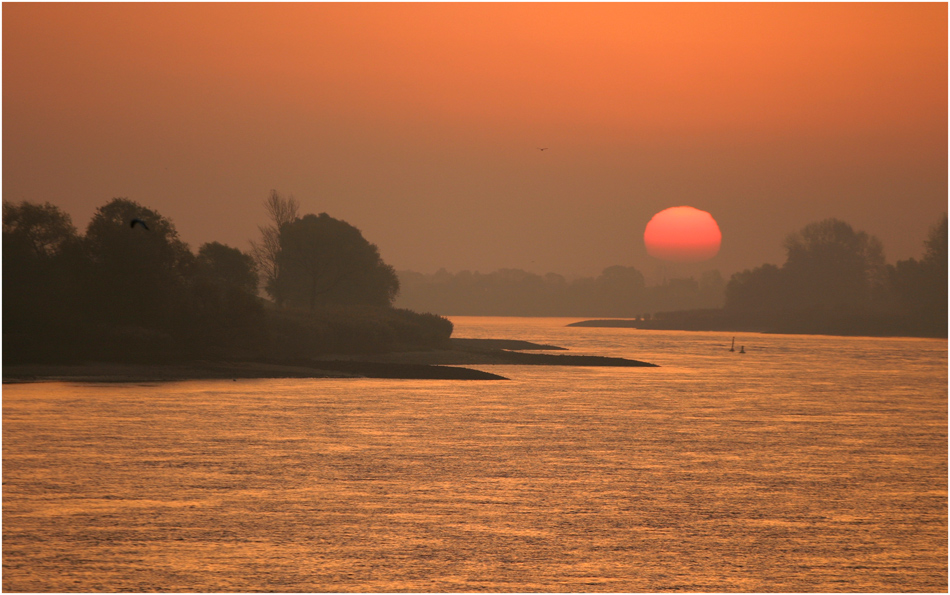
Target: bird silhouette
(544,149)
(139,221)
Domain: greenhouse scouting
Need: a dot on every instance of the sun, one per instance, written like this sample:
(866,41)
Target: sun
(682,234)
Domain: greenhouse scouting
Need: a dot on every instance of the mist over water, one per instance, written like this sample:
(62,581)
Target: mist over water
(808,463)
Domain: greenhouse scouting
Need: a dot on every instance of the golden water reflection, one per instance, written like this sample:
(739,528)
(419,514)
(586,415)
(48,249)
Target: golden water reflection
(594,480)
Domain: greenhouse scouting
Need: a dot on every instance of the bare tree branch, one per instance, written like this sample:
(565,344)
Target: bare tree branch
(266,252)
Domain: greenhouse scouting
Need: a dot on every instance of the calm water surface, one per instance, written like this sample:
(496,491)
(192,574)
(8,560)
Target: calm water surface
(807,464)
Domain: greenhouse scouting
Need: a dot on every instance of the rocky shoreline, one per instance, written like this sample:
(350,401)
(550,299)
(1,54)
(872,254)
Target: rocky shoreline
(444,364)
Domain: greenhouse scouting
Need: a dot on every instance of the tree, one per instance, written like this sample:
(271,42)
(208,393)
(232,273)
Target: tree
(712,288)
(935,255)
(223,314)
(620,290)
(36,238)
(42,268)
(325,260)
(266,252)
(835,281)
(829,265)
(934,264)
(43,229)
(227,266)
(138,273)
(920,287)
(760,289)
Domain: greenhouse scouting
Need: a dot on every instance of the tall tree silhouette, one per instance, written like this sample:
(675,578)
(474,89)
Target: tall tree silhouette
(831,265)
(42,275)
(266,251)
(139,274)
(920,287)
(326,260)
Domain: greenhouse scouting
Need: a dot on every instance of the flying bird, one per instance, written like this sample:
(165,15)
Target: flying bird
(544,149)
(140,222)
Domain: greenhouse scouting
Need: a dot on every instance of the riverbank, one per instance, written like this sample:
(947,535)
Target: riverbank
(788,323)
(441,364)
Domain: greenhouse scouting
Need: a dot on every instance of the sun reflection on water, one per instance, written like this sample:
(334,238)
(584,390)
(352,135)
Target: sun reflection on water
(806,464)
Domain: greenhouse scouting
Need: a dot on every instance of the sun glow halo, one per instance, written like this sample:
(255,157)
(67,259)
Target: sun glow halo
(682,234)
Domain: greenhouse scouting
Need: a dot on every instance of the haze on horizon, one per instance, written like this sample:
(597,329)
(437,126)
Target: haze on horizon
(420,124)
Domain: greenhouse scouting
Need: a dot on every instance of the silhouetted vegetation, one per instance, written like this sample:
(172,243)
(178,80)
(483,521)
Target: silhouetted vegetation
(835,281)
(317,260)
(266,251)
(920,287)
(44,268)
(131,293)
(618,291)
(829,267)
(334,329)
(323,260)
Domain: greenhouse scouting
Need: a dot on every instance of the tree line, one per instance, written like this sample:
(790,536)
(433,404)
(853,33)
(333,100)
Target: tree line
(835,281)
(619,291)
(123,291)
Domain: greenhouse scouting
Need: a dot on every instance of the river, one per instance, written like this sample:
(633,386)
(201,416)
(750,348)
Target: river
(807,463)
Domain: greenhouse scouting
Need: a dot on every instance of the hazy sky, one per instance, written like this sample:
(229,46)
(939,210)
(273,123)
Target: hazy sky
(420,123)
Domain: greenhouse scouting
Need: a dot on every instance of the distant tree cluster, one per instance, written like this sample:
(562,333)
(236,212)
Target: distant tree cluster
(619,291)
(130,292)
(835,280)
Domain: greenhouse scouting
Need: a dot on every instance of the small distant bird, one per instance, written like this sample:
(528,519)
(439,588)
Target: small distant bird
(139,221)
(544,149)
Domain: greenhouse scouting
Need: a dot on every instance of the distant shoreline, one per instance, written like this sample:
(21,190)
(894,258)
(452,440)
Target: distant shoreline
(434,364)
(703,321)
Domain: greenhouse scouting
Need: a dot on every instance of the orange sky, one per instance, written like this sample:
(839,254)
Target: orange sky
(420,123)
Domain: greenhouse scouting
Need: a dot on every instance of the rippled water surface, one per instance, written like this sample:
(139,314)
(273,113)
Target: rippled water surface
(806,464)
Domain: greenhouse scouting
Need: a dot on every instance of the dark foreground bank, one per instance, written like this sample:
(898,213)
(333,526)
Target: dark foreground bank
(438,364)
